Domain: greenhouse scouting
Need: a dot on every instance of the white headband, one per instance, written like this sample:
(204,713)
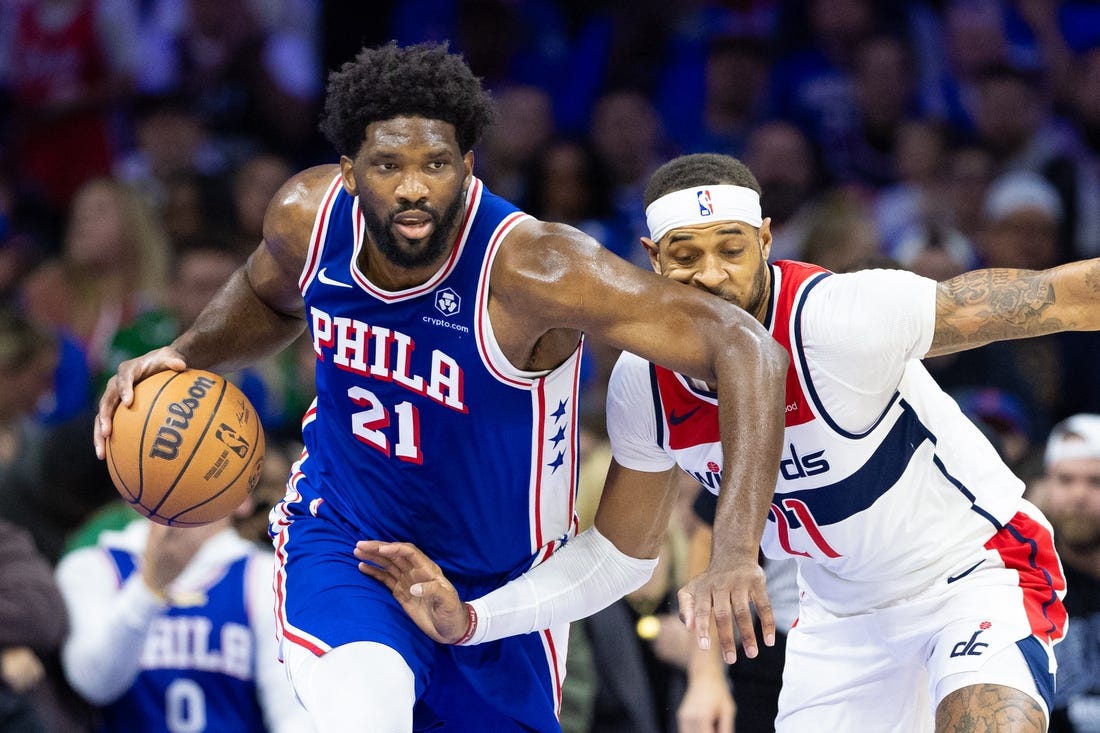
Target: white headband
(702,205)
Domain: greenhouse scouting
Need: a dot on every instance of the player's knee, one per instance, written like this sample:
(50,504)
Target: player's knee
(383,688)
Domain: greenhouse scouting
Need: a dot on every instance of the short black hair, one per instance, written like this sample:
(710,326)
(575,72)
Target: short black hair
(423,80)
(698,169)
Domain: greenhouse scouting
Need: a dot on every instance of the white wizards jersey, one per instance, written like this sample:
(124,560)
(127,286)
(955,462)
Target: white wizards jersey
(884,485)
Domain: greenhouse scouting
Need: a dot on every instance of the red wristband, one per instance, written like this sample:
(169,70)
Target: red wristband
(471,625)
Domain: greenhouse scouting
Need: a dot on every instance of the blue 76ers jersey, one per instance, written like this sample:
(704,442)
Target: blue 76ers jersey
(870,516)
(421,430)
(198,664)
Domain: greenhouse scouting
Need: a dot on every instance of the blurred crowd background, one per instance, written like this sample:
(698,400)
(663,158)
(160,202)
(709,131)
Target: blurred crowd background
(140,141)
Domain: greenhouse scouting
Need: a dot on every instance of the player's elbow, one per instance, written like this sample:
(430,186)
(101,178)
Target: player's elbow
(84,673)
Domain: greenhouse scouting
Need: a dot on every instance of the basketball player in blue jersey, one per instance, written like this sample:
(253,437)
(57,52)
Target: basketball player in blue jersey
(930,590)
(447,328)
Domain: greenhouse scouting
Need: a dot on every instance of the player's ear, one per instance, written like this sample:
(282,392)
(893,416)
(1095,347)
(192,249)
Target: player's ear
(347,173)
(653,251)
(468,169)
(766,237)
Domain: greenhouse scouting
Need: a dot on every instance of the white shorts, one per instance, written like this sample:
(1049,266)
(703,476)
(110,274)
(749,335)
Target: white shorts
(888,669)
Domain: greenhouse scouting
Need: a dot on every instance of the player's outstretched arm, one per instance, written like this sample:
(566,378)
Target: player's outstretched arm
(590,572)
(983,306)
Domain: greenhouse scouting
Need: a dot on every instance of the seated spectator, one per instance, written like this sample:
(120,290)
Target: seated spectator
(172,629)
(34,697)
(1069,495)
(112,272)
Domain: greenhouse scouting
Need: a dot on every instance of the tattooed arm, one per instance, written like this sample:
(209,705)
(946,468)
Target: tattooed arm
(983,306)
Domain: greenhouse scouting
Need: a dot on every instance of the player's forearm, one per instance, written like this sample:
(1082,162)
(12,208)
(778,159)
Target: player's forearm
(585,576)
(1077,294)
(999,304)
(751,402)
(237,328)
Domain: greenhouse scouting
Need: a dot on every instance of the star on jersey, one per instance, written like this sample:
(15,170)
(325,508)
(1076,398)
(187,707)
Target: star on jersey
(559,415)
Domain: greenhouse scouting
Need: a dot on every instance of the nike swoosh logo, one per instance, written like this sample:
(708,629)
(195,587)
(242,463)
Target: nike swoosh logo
(329,281)
(674,419)
(963,574)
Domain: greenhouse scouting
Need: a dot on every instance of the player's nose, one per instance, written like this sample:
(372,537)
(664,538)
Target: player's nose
(411,188)
(710,274)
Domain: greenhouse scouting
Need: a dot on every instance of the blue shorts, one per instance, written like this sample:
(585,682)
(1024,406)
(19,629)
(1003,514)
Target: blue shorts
(323,601)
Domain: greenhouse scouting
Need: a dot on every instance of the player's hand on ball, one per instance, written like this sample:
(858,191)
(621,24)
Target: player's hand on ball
(728,592)
(419,586)
(120,388)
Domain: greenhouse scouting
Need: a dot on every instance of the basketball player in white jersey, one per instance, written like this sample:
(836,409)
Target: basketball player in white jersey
(930,589)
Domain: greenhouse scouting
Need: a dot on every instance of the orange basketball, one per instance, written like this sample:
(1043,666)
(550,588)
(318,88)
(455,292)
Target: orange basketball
(188,450)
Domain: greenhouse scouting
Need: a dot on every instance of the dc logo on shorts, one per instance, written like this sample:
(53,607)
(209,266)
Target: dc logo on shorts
(706,208)
(447,302)
(972,647)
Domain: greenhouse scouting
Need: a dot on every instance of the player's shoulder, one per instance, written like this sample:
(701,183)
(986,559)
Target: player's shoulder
(544,260)
(535,239)
(630,374)
(294,206)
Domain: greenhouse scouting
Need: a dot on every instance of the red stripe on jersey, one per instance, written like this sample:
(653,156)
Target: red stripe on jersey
(482,316)
(314,253)
(1028,548)
(540,438)
(691,420)
(785,291)
(574,454)
(554,666)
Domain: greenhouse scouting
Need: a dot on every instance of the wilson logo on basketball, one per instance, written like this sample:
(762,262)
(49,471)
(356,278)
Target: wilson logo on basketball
(166,444)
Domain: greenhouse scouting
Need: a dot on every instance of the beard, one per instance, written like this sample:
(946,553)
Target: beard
(754,300)
(1078,532)
(381,233)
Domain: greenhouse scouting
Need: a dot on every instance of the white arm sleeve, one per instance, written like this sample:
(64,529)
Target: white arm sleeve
(586,575)
(102,655)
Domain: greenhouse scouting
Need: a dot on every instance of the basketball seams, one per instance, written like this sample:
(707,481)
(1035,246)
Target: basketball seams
(191,456)
(232,481)
(141,456)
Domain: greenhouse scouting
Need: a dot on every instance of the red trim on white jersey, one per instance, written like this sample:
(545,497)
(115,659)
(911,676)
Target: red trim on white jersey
(1027,547)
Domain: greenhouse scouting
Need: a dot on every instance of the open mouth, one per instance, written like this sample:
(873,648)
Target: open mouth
(414,224)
